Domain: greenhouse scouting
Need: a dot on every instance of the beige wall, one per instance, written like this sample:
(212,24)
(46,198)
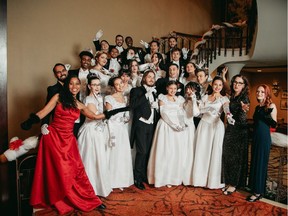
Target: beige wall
(42,33)
(256,79)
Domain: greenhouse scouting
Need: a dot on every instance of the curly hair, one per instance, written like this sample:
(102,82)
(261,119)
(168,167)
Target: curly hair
(65,96)
(245,90)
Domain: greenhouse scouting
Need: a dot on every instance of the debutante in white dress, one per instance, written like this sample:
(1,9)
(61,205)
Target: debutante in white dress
(92,144)
(166,163)
(120,160)
(208,144)
(104,78)
(191,110)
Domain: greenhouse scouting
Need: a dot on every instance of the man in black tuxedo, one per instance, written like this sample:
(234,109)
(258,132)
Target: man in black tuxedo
(176,58)
(119,41)
(172,42)
(173,72)
(144,105)
(138,50)
(61,73)
(82,73)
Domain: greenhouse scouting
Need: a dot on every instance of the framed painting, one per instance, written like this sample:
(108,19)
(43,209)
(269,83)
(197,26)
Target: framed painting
(284,94)
(283,104)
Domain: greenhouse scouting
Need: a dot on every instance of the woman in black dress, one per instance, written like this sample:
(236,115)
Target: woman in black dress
(264,117)
(235,145)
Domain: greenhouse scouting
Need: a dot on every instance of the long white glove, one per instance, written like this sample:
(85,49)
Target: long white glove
(44,129)
(150,91)
(208,109)
(146,66)
(105,71)
(67,67)
(154,105)
(195,108)
(228,114)
(145,44)
(166,118)
(98,35)
(129,57)
(93,62)
(230,119)
(185,52)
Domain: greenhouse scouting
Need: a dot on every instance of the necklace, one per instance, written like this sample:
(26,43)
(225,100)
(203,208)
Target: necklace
(171,98)
(119,97)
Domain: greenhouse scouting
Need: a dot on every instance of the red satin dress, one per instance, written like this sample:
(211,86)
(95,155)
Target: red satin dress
(60,180)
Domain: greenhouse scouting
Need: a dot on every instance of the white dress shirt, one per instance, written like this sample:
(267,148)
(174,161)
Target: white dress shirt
(151,100)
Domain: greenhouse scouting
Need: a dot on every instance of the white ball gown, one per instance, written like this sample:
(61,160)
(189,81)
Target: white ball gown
(92,144)
(167,157)
(208,144)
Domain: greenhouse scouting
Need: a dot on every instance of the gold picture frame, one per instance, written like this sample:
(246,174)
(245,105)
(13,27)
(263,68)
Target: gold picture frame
(284,94)
(284,104)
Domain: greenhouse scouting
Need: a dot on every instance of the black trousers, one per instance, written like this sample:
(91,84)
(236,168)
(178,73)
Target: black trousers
(143,140)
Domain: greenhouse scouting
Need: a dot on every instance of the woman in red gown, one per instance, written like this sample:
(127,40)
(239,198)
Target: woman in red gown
(60,180)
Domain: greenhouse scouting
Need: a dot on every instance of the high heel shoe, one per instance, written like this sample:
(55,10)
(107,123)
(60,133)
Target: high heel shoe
(229,192)
(224,188)
(256,197)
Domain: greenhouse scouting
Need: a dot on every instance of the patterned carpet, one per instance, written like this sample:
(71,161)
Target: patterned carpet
(176,201)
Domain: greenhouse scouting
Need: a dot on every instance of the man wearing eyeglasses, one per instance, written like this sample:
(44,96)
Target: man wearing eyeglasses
(61,73)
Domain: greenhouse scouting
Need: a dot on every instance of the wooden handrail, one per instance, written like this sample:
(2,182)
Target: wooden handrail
(233,37)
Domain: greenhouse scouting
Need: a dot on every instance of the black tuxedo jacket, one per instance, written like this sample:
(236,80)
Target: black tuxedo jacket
(139,51)
(51,91)
(74,72)
(140,107)
(161,86)
(98,46)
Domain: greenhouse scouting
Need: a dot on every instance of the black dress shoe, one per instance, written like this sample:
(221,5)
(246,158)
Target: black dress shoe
(139,185)
(101,207)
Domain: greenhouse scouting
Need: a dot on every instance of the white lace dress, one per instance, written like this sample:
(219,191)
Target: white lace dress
(92,144)
(208,145)
(120,160)
(166,163)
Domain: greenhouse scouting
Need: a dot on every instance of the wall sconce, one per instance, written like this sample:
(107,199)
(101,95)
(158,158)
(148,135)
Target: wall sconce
(275,88)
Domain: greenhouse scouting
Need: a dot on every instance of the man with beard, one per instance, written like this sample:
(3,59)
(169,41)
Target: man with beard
(61,73)
(144,106)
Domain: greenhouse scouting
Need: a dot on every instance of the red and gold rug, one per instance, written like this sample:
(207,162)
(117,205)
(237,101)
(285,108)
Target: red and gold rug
(176,201)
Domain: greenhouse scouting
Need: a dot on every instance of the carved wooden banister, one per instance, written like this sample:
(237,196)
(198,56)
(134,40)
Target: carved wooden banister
(236,39)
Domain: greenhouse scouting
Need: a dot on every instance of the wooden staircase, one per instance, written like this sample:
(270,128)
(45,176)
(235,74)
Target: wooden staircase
(222,43)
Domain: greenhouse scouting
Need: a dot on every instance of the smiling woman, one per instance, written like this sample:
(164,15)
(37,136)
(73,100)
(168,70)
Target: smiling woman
(59,141)
(264,117)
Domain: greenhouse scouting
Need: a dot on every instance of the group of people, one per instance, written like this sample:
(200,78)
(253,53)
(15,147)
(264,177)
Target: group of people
(172,115)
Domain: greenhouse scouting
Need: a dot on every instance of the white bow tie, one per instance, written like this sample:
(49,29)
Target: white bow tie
(149,87)
(172,79)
